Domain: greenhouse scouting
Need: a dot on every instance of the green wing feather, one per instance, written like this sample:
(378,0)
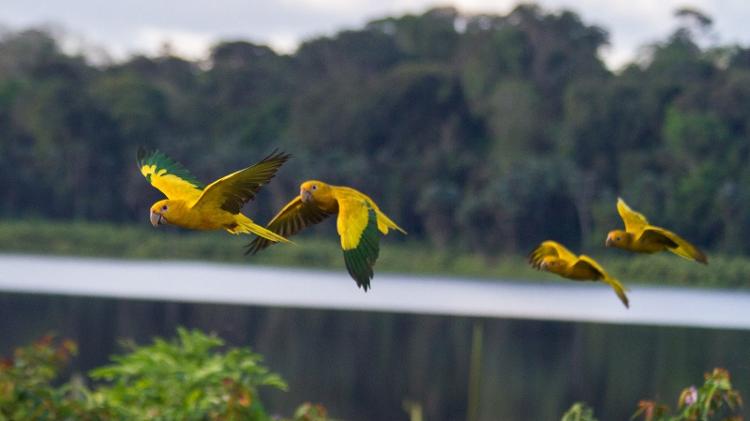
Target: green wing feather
(167,175)
(361,259)
(164,162)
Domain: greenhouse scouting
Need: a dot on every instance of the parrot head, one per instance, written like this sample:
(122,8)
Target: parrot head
(160,212)
(554,264)
(315,191)
(618,238)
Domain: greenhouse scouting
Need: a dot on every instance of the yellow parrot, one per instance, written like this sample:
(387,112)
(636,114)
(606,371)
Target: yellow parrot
(641,237)
(217,206)
(552,256)
(359,220)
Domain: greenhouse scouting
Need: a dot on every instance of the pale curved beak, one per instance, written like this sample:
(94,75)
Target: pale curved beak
(608,243)
(306,195)
(155,219)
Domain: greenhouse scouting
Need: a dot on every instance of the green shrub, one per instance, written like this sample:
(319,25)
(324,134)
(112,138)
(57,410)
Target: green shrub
(579,412)
(714,400)
(193,377)
(188,378)
(26,388)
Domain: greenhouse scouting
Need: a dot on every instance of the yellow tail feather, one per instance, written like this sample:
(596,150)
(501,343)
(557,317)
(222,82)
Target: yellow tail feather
(688,251)
(247,226)
(388,222)
(619,290)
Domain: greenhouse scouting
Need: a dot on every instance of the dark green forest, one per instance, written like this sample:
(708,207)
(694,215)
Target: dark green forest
(483,133)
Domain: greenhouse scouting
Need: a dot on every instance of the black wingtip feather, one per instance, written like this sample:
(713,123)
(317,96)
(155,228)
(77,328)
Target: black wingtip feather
(255,246)
(141,154)
(277,155)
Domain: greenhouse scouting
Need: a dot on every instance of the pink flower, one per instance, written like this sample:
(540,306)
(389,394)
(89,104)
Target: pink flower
(689,396)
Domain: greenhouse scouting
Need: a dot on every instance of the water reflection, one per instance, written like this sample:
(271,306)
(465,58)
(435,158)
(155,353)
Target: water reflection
(362,365)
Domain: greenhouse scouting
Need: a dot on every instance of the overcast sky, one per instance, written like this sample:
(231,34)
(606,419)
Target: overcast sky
(191,26)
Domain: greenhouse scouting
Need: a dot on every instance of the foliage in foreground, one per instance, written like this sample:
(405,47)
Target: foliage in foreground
(579,412)
(26,390)
(185,379)
(195,377)
(714,400)
(189,378)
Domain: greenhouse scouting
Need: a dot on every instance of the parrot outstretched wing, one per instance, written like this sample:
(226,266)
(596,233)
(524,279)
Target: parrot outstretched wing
(167,175)
(294,217)
(232,191)
(384,222)
(634,221)
(550,248)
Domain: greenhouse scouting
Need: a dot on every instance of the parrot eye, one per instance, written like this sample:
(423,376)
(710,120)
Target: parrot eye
(315,187)
(164,207)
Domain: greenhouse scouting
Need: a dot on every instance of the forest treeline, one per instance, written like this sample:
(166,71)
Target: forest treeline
(480,132)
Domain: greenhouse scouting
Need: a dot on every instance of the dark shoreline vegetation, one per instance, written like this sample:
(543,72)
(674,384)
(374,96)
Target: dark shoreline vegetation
(323,252)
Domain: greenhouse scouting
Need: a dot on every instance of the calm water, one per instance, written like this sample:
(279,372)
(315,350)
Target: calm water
(300,288)
(363,364)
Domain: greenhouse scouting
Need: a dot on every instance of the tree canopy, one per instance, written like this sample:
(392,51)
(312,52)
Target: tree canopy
(480,132)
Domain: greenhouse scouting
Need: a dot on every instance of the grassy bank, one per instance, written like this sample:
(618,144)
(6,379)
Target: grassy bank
(143,242)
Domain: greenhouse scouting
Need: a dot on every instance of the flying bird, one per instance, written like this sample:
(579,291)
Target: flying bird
(552,256)
(359,224)
(217,206)
(641,237)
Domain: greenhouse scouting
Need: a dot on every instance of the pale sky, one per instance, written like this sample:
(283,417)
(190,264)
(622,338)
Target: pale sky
(128,26)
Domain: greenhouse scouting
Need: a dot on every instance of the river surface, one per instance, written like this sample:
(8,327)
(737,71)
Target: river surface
(545,345)
(300,288)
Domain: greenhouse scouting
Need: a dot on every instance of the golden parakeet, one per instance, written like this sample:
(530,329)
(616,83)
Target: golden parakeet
(217,206)
(641,237)
(358,223)
(552,256)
